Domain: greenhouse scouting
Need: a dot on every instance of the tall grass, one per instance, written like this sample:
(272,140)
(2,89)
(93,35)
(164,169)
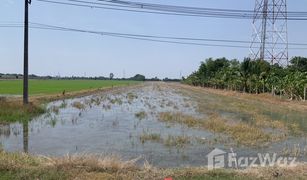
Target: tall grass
(21,166)
(13,111)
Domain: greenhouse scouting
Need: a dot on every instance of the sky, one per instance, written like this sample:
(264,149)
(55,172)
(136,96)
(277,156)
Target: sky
(78,54)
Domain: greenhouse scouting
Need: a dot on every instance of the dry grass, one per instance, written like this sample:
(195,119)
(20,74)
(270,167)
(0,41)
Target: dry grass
(150,137)
(78,105)
(241,132)
(87,167)
(170,117)
(267,98)
(92,163)
(262,115)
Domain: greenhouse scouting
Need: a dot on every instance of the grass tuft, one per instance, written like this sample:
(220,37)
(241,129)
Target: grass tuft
(150,137)
(13,111)
(141,115)
(78,105)
(177,141)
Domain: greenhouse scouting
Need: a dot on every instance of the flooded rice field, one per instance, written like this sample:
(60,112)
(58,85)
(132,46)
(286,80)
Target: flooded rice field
(168,125)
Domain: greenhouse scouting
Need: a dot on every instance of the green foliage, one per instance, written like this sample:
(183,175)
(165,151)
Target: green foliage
(252,76)
(15,111)
(138,77)
(299,63)
(46,87)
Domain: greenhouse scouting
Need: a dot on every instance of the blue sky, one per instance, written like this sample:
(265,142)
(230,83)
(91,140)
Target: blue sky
(68,53)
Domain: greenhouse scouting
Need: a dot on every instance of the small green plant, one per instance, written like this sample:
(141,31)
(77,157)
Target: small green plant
(106,106)
(150,137)
(116,101)
(177,141)
(55,109)
(63,105)
(131,96)
(141,115)
(52,122)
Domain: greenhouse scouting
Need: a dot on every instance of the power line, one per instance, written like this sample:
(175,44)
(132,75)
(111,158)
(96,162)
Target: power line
(172,7)
(170,10)
(161,39)
(44,26)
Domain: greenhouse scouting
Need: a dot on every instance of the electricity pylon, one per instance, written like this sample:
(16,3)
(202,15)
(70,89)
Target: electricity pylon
(270,35)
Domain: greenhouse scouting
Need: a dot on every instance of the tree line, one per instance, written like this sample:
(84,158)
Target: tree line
(253,76)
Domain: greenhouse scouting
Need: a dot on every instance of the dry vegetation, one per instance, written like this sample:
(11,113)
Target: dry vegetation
(78,105)
(150,137)
(242,133)
(257,128)
(251,133)
(170,141)
(26,167)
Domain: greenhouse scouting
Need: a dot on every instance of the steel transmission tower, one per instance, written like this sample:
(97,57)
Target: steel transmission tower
(270,36)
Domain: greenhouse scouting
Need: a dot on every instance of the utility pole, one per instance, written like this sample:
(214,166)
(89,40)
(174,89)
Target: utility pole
(26,55)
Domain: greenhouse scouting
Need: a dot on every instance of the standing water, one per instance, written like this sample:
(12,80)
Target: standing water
(126,122)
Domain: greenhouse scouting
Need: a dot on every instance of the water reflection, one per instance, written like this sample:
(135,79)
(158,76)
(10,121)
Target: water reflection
(25,126)
(5,130)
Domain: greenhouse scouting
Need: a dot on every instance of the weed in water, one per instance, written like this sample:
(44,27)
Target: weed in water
(78,105)
(52,122)
(117,101)
(115,123)
(106,106)
(63,105)
(150,137)
(181,118)
(55,109)
(130,96)
(177,141)
(141,115)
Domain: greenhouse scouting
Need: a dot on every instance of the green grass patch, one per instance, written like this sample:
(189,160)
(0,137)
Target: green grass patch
(15,111)
(44,87)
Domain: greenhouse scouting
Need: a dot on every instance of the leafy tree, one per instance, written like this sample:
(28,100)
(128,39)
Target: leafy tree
(138,77)
(252,76)
(299,63)
(111,76)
